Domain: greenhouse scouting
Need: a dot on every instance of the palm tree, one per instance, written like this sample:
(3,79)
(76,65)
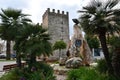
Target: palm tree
(11,22)
(33,41)
(114,41)
(99,19)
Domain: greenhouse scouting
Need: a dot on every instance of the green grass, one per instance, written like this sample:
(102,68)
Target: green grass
(4,60)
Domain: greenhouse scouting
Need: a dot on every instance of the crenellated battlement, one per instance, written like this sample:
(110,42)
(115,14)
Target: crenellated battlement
(57,24)
(58,12)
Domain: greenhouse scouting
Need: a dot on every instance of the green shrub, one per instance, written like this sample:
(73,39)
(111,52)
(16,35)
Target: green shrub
(110,77)
(11,75)
(84,74)
(102,66)
(46,70)
(88,74)
(40,76)
(114,41)
(39,71)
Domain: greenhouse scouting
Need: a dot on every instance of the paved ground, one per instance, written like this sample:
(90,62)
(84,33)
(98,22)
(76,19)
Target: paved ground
(59,77)
(61,74)
(4,63)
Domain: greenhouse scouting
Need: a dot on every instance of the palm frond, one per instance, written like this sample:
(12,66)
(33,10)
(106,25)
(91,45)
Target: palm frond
(98,17)
(90,9)
(34,40)
(26,20)
(113,3)
(107,4)
(13,13)
(80,11)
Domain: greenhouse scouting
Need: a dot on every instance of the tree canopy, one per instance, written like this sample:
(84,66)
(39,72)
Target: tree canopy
(59,45)
(101,18)
(12,21)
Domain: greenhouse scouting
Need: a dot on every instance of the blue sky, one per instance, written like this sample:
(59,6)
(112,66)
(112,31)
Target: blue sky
(36,8)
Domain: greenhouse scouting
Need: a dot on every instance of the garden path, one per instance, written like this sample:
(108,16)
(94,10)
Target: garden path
(61,76)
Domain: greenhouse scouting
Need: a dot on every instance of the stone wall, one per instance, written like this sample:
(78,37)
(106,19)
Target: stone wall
(57,24)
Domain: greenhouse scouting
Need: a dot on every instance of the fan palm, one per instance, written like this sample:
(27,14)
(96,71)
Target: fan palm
(101,18)
(11,22)
(33,41)
(114,41)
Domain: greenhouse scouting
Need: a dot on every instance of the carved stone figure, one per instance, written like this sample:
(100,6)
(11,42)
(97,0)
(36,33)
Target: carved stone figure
(76,40)
(79,47)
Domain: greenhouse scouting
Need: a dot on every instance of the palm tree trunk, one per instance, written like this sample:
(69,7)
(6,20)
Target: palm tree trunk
(18,60)
(106,53)
(32,60)
(8,43)
(116,62)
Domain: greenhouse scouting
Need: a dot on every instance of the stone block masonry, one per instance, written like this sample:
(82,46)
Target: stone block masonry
(57,23)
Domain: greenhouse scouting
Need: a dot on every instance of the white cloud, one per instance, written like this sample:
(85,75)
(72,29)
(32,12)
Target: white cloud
(36,8)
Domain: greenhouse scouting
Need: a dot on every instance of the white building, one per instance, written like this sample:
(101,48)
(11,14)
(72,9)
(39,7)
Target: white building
(97,54)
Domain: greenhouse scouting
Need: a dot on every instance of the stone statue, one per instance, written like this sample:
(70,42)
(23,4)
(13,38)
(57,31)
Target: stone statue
(79,47)
(77,39)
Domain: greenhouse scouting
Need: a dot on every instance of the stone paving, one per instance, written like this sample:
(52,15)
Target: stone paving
(60,71)
(55,66)
(60,77)
(4,63)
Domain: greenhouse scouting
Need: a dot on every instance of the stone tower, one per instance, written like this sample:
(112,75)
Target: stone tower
(58,26)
